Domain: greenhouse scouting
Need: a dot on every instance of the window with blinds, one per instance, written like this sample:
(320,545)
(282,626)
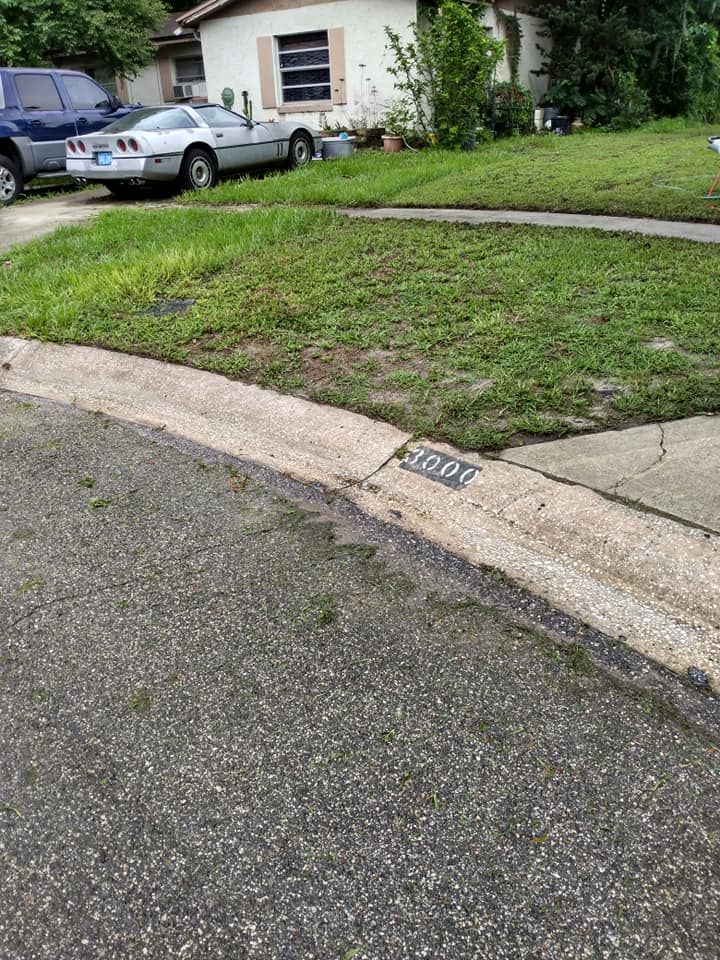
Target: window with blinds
(304,64)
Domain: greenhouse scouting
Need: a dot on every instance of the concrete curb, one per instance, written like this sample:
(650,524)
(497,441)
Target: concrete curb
(677,229)
(637,577)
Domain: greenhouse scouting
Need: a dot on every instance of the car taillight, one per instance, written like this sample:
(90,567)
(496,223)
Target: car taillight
(122,146)
(71,147)
(81,146)
(133,144)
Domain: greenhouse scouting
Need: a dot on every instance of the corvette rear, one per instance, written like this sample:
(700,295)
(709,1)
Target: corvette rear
(100,157)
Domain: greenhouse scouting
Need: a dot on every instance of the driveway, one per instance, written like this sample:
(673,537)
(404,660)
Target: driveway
(29,219)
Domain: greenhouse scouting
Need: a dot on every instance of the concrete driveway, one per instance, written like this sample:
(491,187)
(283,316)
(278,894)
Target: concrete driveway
(34,218)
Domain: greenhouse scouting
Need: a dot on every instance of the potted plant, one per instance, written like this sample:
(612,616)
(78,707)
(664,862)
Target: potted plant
(397,121)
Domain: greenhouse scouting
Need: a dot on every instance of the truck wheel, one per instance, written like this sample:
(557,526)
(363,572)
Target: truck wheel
(11,181)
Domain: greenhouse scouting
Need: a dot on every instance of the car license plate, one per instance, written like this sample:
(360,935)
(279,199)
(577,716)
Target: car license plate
(103,158)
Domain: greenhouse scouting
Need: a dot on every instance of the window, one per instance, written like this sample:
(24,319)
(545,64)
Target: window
(38,92)
(152,118)
(217,117)
(189,70)
(86,95)
(304,60)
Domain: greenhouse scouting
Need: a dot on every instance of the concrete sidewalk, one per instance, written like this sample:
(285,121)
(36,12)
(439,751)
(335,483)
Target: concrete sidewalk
(699,232)
(646,580)
(669,467)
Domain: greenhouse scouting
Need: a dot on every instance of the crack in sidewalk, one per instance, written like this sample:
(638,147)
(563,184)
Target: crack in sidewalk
(656,462)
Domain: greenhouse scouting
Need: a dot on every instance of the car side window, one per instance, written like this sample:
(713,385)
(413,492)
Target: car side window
(37,92)
(85,94)
(176,119)
(218,117)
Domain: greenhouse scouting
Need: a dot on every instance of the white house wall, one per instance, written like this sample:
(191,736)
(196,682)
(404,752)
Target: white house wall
(145,87)
(530,57)
(230,52)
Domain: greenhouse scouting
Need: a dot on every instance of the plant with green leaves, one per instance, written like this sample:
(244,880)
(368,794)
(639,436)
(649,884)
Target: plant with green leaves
(511,109)
(117,32)
(592,54)
(444,70)
(511,105)
(615,63)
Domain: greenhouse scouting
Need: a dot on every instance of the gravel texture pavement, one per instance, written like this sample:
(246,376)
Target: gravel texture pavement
(234,724)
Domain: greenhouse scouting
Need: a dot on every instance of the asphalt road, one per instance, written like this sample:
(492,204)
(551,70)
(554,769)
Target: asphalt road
(236,725)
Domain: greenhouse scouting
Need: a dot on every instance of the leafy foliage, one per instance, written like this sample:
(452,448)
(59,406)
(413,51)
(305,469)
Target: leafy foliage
(36,32)
(511,109)
(593,48)
(444,71)
(615,63)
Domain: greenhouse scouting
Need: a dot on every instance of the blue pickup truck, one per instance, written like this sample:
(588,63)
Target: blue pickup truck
(38,110)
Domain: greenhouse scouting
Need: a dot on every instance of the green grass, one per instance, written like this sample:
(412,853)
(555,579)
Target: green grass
(661,170)
(478,336)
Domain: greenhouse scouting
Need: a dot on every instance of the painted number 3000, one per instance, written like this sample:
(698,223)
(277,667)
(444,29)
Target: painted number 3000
(438,466)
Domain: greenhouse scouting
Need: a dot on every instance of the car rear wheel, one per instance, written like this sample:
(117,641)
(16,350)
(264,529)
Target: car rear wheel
(300,151)
(11,181)
(199,170)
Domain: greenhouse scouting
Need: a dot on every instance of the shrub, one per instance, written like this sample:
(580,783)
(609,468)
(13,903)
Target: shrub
(443,72)
(511,109)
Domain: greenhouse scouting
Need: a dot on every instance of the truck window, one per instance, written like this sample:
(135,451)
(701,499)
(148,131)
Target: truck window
(86,95)
(37,92)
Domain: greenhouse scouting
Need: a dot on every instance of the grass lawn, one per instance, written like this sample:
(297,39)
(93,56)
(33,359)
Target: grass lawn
(478,336)
(660,171)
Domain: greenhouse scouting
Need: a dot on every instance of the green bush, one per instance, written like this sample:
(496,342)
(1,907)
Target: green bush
(631,104)
(511,109)
(443,71)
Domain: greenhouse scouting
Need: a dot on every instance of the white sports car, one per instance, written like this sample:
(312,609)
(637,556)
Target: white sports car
(183,145)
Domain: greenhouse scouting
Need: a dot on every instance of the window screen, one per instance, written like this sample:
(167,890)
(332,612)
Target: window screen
(304,60)
(189,70)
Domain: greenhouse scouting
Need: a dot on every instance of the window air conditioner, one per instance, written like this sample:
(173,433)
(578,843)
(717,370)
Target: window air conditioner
(182,90)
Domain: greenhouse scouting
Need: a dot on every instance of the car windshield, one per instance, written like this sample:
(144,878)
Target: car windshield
(153,118)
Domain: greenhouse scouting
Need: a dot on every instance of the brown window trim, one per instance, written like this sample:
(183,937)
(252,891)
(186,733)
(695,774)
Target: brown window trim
(307,106)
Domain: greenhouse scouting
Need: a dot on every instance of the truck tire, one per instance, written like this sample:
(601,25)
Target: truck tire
(11,181)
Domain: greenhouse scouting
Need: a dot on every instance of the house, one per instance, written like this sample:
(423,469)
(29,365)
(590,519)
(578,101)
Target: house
(176,73)
(321,61)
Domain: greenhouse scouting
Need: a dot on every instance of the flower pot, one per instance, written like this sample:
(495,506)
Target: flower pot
(392,143)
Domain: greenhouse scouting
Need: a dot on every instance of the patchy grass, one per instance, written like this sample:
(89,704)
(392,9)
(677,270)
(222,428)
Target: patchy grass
(659,171)
(482,336)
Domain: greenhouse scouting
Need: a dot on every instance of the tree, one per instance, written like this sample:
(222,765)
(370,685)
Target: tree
(592,57)
(613,61)
(680,66)
(37,32)
(443,72)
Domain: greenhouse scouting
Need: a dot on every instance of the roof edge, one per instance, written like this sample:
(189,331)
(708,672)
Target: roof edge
(202,10)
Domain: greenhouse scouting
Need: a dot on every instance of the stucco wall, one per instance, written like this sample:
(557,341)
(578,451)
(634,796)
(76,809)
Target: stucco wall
(231,57)
(145,87)
(155,83)
(530,56)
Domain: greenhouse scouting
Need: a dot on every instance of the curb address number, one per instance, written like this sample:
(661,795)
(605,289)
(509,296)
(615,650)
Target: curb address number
(438,466)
